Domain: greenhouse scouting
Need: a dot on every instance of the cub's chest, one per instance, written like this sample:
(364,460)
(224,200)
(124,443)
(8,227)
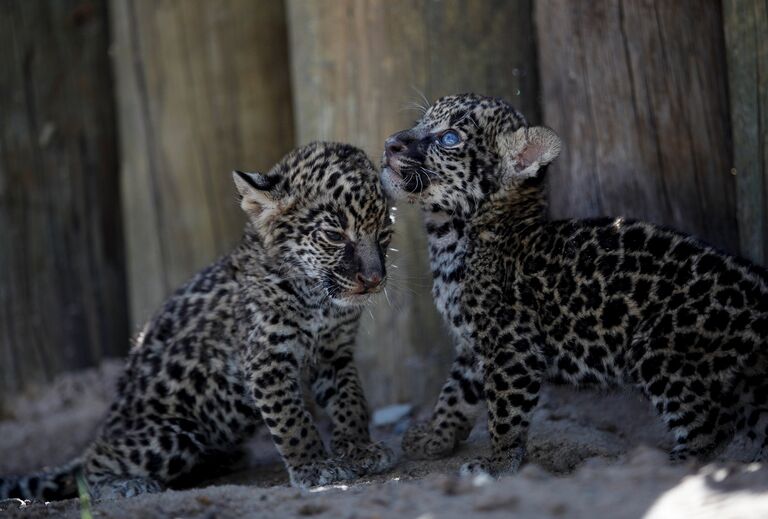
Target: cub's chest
(319,329)
(447,299)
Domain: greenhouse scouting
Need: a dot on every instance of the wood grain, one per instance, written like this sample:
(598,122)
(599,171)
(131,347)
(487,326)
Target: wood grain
(746,35)
(203,88)
(359,70)
(638,91)
(62,278)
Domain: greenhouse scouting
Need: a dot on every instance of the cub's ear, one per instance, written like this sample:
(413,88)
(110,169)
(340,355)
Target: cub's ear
(526,150)
(258,193)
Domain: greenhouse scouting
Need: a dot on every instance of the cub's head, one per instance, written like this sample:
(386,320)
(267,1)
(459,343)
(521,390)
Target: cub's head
(463,149)
(320,214)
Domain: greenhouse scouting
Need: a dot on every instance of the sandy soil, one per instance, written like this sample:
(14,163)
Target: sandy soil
(591,455)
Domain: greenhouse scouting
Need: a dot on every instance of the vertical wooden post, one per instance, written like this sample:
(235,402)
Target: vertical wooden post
(62,279)
(637,89)
(203,88)
(359,69)
(746,36)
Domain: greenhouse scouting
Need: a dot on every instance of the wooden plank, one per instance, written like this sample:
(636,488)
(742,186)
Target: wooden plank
(359,69)
(62,278)
(637,89)
(746,36)
(203,88)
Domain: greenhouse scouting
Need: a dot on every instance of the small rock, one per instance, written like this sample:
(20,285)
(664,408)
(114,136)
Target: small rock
(497,502)
(380,501)
(558,510)
(204,500)
(454,485)
(312,509)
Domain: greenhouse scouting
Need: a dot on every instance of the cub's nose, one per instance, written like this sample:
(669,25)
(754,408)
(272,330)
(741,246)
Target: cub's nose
(368,282)
(397,143)
(394,146)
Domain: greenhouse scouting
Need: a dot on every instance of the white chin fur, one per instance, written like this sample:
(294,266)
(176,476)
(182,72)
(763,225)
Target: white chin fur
(392,184)
(353,300)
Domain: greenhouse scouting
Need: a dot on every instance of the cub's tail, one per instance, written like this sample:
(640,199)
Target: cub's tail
(48,484)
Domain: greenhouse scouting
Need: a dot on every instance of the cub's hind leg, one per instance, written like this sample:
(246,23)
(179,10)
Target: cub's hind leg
(753,420)
(698,410)
(140,461)
(701,429)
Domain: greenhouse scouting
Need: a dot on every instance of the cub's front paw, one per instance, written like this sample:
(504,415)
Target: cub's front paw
(370,458)
(320,473)
(423,442)
(375,458)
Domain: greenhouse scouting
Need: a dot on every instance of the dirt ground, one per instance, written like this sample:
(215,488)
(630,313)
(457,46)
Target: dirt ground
(591,455)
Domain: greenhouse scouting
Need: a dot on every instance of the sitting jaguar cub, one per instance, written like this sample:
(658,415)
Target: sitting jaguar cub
(226,351)
(602,302)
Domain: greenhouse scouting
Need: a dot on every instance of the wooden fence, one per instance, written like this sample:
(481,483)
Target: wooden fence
(662,107)
(62,263)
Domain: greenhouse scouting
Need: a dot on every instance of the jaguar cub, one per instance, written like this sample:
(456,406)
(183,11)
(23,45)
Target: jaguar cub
(232,347)
(592,302)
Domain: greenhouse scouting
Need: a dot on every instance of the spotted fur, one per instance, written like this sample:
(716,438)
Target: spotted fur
(232,347)
(606,302)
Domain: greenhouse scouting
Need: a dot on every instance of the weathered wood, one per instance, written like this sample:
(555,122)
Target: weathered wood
(62,278)
(358,70)
(203,88)
(637,89)
(746,36)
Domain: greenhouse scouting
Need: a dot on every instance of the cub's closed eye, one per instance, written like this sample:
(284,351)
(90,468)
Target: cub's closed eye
(335,236)
(449,138)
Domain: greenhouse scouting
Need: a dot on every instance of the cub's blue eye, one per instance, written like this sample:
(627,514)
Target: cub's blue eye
(450,138)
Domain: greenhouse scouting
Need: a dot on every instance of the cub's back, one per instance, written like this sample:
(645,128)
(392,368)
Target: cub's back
(608,275)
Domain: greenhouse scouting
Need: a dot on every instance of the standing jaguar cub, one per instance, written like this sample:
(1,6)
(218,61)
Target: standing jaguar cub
(601,302)
(226,351)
